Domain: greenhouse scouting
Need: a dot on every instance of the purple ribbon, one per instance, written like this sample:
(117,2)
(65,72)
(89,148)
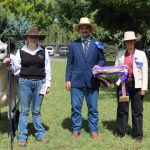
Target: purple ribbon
(122,71)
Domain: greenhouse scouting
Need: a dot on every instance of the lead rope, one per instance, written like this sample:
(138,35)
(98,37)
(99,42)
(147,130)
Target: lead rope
(10,100)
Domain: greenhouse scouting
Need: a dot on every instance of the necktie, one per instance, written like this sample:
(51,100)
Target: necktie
(85,46)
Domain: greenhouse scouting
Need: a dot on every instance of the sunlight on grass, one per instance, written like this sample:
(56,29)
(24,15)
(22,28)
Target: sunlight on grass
(56,112)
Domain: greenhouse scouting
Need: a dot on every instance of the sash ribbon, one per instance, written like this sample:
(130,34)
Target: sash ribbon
(122,83)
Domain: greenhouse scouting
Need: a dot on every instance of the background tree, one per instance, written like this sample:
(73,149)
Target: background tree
(12,28)
(15,28)
(39,12)
(57,35)
(125,15)
(113,17)
(2,19)
(70,11)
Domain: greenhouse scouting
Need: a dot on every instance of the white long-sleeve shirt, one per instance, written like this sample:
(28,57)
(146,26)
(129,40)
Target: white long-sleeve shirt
(16,62)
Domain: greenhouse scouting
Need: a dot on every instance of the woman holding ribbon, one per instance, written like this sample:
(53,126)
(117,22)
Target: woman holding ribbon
(137,65)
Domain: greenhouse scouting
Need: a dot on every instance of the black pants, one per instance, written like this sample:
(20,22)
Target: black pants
(137,113)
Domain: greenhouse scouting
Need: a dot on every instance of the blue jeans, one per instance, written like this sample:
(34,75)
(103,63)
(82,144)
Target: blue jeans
(28,91)
(77,97)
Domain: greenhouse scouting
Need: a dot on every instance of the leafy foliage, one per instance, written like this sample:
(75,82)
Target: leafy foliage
(15,28)
(57,35)
(113,17)
(124,15)
(2,14)
(70,11)
(39,12)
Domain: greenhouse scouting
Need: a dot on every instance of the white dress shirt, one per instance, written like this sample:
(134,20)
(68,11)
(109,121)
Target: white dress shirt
(88,39)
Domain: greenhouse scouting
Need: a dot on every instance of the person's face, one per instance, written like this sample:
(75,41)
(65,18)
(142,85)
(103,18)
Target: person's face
(85,31)
(130,45)
(33,39)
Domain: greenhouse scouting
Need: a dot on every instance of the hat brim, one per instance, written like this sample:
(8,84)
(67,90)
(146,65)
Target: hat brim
(76,26)
(132,39)
(41,37)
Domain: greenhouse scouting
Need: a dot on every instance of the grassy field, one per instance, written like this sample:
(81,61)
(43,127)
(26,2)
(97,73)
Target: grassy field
(56,119)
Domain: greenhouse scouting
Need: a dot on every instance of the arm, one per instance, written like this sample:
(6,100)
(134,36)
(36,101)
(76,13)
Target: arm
(16,61)
(144,74)
(69,66)
(47,70)
(102,60)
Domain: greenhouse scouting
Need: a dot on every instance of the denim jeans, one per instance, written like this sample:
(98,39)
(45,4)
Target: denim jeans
(77,97)
(28,91)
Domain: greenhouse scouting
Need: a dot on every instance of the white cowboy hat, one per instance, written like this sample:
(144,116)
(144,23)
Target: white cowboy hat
(84,21)
(129,35)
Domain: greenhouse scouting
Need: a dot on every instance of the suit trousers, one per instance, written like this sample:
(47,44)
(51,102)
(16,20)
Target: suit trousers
(77,97)
(137,113)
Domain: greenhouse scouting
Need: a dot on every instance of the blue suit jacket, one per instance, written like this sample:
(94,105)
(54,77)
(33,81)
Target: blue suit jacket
(79,67)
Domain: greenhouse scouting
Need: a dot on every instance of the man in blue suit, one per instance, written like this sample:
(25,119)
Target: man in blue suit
(84,55)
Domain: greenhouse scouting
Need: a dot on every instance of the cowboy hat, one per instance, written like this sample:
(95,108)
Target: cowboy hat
(129,35)
(84,21)
(33,31)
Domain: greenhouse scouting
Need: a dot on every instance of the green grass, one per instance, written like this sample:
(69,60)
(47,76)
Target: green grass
(56,112)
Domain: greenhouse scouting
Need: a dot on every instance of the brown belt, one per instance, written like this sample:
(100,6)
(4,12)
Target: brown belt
(32,78)
(130,79)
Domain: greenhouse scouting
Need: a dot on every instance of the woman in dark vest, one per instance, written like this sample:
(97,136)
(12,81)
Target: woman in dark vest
(34,81)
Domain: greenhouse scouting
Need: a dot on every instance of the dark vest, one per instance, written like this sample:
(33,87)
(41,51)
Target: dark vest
(32,66)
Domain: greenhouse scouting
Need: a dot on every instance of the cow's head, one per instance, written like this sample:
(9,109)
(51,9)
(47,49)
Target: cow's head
(3,50)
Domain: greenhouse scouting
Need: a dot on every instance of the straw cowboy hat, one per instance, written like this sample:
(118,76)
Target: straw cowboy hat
(84,21)
(129,35)
(33,31)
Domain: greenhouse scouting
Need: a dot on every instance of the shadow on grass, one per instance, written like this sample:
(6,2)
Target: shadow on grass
(4,123)
(31,129)
(66,124)
(111,126)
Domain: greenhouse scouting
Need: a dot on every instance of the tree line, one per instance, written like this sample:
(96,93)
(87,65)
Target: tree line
(56,17)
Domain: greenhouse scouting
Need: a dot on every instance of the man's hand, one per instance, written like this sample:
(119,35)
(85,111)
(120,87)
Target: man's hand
(94,67)
(68,85)
(142,93)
